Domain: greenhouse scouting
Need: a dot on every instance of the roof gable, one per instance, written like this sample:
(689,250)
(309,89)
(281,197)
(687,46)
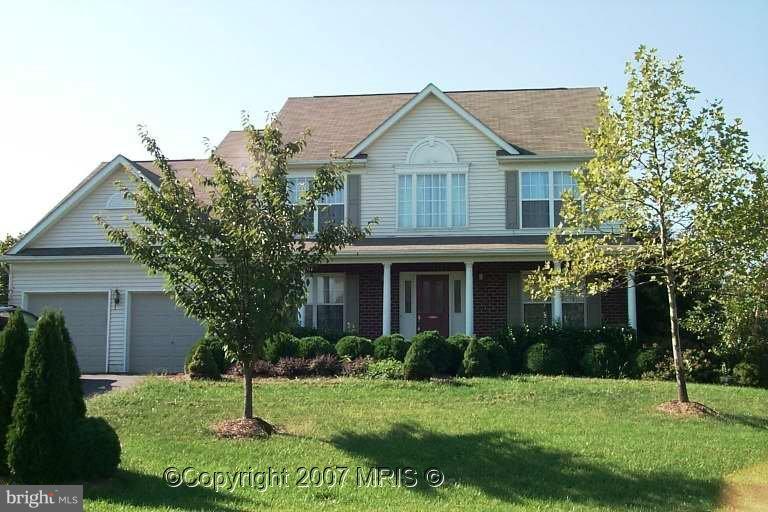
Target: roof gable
(88,185)
(429,90)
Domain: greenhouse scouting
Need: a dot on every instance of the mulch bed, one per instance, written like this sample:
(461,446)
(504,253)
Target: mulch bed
(686,409)
(242,428)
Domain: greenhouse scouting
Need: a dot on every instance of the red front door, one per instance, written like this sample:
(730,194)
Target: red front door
(432,303)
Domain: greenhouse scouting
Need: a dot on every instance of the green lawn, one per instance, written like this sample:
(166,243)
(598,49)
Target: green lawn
(503,444)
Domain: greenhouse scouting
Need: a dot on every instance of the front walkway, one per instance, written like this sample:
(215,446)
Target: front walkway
(102,383)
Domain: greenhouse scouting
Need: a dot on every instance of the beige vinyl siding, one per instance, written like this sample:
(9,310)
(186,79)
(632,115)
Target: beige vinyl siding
(77,228)
(486,178)
(90,276)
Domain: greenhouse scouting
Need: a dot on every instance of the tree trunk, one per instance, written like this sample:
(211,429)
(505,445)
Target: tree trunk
(674,323)
(248,390)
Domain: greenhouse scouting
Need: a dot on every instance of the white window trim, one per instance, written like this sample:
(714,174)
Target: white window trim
(313,299)
(551,199)
(316,217)
(449,170)
(118,202)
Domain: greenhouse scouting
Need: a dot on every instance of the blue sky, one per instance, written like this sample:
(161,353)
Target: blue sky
(76,77)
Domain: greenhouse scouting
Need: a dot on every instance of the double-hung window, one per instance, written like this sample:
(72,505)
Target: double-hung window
(541,195)
(426,200)
(330,208)
(536,312)
(325,306)
(573,309)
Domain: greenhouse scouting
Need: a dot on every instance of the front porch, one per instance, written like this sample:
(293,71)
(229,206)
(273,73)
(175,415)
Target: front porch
(472,297)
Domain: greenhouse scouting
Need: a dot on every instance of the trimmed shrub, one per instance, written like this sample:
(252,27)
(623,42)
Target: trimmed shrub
(292,367)
(497,355)
(444,358)
(14,340)
(356,367)
(73,369)
(216,349)
(306,332)
(385,369)
(325,365)
(42,419)
(314,346)
(746,374)
(476,362)
(96,449)
(461,341)
(279,346)
(544,360)
(354,347)
(203,365)
(600,361)
(417,365)
(392,346)
(646,360)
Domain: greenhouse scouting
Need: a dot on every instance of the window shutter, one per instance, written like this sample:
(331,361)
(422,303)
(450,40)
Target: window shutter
(514,298)
(512,200)
(353,199)
(593,310)
(352,302)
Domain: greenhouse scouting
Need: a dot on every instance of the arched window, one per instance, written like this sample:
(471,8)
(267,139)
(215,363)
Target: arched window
(432,187)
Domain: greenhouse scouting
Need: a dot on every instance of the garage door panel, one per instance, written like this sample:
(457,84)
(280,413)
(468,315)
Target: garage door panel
(86,318)
(161,335)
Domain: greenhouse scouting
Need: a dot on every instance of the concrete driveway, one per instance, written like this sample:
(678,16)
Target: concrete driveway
(101,383)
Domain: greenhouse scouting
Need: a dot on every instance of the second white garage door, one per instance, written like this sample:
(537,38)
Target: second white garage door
(160,334)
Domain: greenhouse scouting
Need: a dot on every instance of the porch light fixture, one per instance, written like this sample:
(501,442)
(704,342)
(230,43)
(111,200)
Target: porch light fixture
(116,297)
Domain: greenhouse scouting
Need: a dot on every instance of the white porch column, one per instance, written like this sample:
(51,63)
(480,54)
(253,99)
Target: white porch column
(386,313)
(631,301)
(557,302)
(469,299)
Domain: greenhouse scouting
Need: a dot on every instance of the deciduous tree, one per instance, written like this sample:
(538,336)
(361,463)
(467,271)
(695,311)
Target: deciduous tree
(671,194)
(234,255)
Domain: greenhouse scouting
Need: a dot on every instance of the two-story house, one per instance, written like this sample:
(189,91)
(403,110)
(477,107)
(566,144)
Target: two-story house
(466,186)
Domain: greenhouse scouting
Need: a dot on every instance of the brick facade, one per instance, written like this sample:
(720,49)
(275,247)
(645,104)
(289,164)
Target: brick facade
(490,293)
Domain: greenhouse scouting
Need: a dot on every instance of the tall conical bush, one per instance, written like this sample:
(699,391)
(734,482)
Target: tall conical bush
(73,369)
(43,417)
(14,341)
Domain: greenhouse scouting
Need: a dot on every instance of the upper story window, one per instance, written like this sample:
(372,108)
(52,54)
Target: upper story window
(541,195)
(431,187)
(331,208)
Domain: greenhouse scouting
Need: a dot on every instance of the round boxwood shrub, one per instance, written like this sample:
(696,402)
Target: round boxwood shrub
(498,357)
(600,360)
(544,360)
(445,358)
(314,346)
(216,349)
(96,449)
(391,346)
(279,346)
(461,341)
(202,365)
(417,365)
(476,362)
(354,347)
(646,360)
(746,374)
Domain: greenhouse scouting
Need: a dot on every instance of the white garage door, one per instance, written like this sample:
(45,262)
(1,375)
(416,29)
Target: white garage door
(86,318)
(160,334)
